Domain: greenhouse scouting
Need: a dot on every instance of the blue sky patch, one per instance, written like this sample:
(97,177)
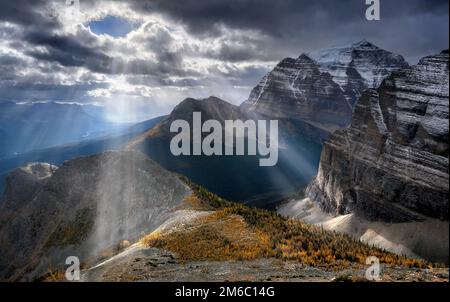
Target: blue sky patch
(113,26)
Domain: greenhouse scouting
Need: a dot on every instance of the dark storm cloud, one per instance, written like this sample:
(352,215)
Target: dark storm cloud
(239,48)
(8,60)
(28,13)
(279,17)
(39,24)
(42,84)
(223,42)
(294,25)
(233,53)
(160,68)
(68,51)
(155,81)
(412,27)
(244,76)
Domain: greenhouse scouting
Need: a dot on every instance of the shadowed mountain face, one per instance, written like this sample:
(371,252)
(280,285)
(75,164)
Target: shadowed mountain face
(321,88)
(237,177)
(392,163)
(384,180)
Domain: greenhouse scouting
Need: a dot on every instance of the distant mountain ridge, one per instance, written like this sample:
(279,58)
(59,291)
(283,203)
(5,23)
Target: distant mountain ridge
(32,126)
(114,139)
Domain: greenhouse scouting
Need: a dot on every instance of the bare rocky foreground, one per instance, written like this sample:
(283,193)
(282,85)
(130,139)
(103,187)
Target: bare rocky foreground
(139,263)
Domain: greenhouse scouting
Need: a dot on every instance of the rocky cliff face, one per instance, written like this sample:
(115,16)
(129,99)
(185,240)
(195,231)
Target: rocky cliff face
(86,206)
(392,162)
(321,88)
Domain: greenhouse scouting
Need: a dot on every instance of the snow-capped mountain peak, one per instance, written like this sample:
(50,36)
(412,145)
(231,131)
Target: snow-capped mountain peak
(371,62)
(323,86)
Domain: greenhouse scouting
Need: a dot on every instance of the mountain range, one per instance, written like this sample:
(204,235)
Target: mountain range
(319,94)
(385,178)
(363,136)
(321,88)
(309,99)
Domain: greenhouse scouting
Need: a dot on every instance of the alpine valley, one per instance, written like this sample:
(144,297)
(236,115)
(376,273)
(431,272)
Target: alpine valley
(310,99)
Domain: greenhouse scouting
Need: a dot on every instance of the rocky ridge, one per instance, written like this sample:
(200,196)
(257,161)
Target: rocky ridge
(84,208)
